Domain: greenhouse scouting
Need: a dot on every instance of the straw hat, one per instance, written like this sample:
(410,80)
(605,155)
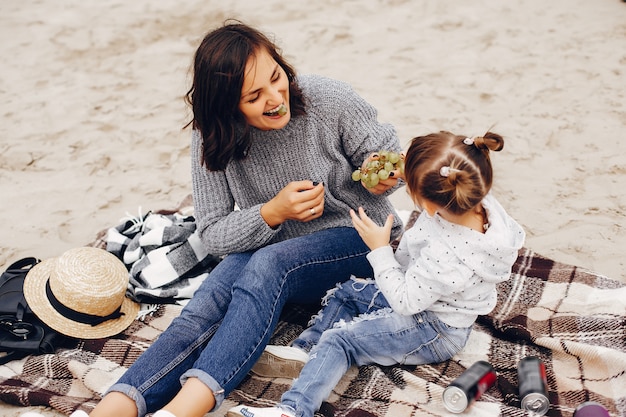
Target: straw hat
(81,294)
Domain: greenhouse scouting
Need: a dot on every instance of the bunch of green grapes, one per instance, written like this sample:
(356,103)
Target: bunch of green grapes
(378,168)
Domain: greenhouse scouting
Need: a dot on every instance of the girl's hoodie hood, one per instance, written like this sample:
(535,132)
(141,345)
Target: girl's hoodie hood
(495,250)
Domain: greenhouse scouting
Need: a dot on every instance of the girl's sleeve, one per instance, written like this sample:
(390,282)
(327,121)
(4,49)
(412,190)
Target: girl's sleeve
(427,278)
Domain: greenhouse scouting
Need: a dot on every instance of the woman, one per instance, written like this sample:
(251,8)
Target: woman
(272,156)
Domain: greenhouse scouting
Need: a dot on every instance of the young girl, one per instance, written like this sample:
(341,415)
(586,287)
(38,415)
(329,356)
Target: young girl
(281,149)
(425,297)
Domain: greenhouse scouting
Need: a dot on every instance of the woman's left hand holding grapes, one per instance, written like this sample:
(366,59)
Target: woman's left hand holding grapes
(383,185)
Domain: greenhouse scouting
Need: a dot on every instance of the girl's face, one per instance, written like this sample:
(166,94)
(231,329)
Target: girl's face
(265,90)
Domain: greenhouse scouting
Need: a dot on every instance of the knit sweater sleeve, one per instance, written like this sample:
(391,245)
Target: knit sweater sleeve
(230,230)
(358,127)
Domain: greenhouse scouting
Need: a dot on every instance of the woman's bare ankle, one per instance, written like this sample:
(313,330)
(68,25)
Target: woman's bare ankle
(194,399)
(115,404)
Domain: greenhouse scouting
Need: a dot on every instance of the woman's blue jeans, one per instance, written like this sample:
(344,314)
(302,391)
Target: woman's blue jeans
(225,327)
(357,327)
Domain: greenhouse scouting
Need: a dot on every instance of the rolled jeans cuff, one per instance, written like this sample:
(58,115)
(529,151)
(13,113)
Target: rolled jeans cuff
(206,379)
(132,393)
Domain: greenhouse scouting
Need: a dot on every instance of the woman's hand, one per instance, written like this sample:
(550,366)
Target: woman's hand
(383,185)
(299,200)
(373,235)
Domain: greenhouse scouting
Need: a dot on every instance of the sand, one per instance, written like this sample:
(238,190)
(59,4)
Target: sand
(92,110)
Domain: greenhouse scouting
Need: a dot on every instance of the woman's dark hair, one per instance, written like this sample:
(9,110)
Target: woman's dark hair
(218,75)
(452,171)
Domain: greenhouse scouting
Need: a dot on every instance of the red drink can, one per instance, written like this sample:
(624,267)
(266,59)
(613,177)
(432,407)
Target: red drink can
(533,385)
(469,386)
(591,409)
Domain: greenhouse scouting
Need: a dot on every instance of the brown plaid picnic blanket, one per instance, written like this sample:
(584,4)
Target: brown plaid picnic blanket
(573,319)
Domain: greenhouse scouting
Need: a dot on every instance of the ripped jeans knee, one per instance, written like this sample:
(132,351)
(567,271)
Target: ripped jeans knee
(341,304)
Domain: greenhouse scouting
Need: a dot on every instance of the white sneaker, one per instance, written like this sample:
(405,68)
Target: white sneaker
(245,411)
(162,413)
(79,413)
(280,361)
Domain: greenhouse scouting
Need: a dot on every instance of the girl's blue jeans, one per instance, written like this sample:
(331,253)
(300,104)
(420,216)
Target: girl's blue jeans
(226,325)
(357,327)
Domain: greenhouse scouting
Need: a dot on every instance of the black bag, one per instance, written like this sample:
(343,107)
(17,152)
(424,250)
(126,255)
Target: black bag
(21,332)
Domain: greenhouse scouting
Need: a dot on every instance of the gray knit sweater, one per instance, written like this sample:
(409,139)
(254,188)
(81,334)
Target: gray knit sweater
(338,132)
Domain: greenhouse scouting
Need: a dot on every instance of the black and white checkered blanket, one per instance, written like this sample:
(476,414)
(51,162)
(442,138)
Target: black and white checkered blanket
(165,257)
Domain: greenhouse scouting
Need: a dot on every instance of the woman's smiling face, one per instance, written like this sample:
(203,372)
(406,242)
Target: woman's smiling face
(265,91)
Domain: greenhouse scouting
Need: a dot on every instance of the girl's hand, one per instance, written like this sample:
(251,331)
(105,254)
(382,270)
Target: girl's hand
(299,200)
(373,235)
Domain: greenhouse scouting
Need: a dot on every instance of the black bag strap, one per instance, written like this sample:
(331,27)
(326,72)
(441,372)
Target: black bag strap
(17,272)
(18,268)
